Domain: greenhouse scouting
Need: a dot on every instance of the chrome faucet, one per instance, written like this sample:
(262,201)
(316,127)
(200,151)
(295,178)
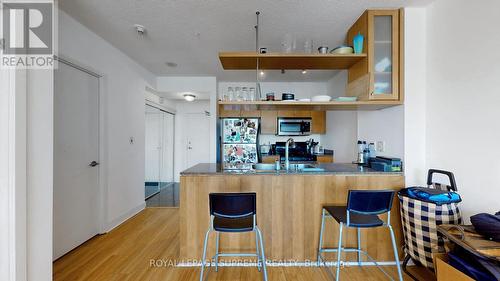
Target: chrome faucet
(287,145)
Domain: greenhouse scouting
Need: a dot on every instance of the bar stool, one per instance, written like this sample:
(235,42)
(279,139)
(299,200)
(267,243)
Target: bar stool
(362,210)
(234,212)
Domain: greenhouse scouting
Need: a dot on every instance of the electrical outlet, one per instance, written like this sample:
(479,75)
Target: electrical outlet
(380,146)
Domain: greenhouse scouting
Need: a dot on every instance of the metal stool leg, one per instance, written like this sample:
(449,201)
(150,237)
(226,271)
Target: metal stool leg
(339,251)
(204,255)
(359,246)
(320,247)
(257,250)
(396,256)
(217,251)
(262,254)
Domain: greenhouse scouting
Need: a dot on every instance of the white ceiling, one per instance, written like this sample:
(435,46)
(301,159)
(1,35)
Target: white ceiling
(192,32)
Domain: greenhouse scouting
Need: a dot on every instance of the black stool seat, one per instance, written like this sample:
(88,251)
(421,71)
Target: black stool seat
(242,224)
(339,213)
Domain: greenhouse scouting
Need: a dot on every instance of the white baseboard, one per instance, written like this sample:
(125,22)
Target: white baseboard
(116,222)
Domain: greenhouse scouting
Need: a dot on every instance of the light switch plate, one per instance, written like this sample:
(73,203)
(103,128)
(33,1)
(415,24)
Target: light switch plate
(380,146)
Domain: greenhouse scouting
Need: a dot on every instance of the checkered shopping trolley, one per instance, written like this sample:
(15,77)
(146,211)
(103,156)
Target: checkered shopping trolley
(420,220)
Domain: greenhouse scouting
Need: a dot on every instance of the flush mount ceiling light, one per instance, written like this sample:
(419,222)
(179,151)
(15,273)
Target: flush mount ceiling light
(304,71)
(262,73)
(189,97)
(140,29)
(171,64)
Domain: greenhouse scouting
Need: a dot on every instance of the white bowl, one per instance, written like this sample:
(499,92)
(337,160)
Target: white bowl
(305,100)
(342,50)
(321,98)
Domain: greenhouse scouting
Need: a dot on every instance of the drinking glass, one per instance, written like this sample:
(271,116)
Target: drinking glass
(308,46)
(237,94)
(229,95)
(252,94)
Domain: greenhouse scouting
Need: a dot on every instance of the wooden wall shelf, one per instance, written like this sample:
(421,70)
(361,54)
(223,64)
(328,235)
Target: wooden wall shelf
(248,60)
(314,106)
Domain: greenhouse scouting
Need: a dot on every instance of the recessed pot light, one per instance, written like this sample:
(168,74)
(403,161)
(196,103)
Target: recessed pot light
(171,64)
(189,97)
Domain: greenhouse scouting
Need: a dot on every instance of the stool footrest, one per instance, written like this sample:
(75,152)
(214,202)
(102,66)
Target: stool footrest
(235,255)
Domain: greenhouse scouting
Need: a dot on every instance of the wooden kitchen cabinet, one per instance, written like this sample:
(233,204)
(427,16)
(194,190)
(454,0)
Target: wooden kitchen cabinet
(377,77)
(294,113)
(224,113)
(318,119)
(286,113)
(302,113)
(268,122)
(250,113)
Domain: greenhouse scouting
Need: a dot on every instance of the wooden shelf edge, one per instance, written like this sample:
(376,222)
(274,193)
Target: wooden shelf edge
(248,60)
(285,55)
(278,103)
(328,106)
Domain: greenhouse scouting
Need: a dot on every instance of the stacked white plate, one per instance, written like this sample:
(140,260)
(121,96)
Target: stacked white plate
(321,98)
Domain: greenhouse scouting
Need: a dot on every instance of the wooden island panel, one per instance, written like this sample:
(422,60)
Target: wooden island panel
(288,213)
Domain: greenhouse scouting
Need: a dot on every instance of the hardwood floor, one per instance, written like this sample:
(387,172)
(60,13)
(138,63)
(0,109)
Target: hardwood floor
(153,235)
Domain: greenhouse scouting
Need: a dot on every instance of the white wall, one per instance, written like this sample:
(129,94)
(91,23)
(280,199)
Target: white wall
(385,125)
(124,85)
(13,177)
(6,214)
(415,96)
(341,126)
(463,98)
(39,174)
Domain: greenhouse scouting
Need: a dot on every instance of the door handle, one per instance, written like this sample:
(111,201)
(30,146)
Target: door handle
(93,164)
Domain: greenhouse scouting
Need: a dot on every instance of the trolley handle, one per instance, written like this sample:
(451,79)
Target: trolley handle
(451,177)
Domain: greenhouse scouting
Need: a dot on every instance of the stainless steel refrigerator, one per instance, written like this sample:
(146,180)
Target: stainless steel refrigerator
(239,142)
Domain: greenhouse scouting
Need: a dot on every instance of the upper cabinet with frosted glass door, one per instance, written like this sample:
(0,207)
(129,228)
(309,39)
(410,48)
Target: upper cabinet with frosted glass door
(379,75)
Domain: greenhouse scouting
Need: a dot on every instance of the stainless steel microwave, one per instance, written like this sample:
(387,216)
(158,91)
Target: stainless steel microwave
(294,126)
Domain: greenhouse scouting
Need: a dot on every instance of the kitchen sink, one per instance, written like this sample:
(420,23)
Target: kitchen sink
(264,167)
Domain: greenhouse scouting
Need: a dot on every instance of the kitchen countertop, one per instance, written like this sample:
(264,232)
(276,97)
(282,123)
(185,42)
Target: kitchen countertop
(329,168)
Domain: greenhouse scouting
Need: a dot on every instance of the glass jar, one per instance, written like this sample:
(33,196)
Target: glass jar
(251,94)
(244,94)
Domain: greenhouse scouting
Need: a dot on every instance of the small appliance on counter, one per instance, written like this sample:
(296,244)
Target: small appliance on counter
(386,164)
(239,142)
(287,96)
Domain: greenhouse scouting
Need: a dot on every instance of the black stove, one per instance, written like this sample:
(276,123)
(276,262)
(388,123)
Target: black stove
(298,152)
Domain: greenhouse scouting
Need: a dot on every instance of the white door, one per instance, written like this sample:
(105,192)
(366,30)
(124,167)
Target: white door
(153,143)
(167,167)
(197,132)
(76,146)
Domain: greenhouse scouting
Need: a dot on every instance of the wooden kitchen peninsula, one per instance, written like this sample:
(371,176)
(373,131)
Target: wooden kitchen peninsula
(288,210)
